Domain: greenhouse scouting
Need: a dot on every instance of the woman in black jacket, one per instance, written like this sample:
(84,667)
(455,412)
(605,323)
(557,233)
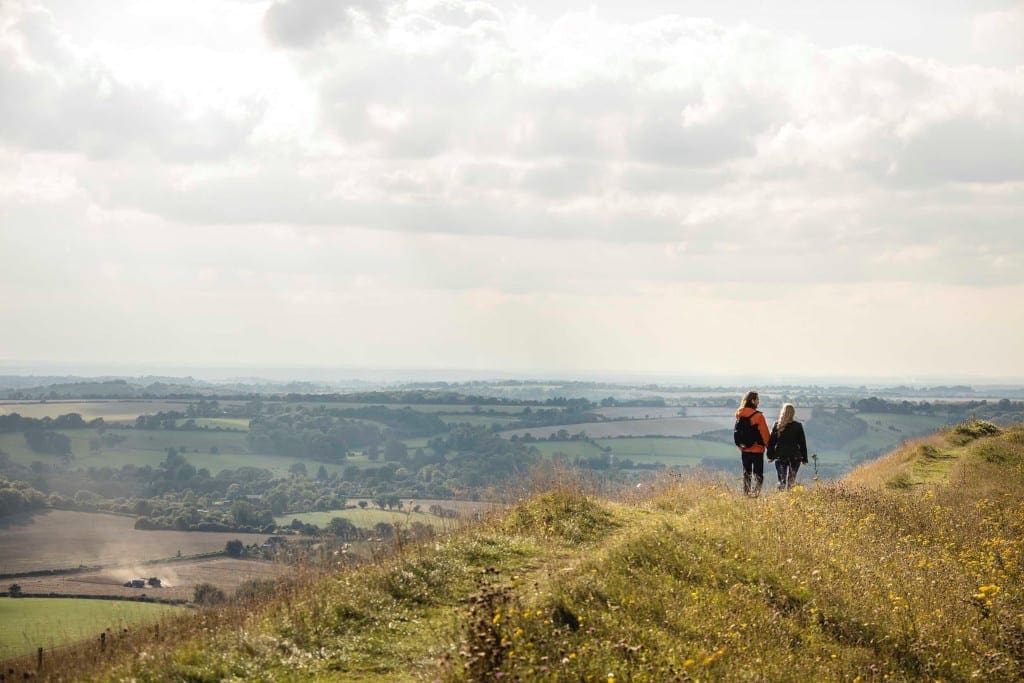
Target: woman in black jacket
(787,447)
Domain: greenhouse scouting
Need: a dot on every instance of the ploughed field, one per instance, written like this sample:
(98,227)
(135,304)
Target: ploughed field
(178,579)
(62,539)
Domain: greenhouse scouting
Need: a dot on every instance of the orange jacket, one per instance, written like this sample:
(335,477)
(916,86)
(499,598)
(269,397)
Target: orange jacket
(762,426)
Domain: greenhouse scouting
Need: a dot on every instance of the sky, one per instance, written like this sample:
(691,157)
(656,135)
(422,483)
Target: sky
(661,188)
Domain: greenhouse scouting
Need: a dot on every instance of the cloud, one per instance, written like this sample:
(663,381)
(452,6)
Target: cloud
(302,23)
(1001,31)
(56,96)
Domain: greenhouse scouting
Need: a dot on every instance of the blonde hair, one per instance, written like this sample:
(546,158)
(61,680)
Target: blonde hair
(786,415)
(748,399)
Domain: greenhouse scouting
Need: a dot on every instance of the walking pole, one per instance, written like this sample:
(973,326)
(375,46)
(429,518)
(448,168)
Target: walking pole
(815,459)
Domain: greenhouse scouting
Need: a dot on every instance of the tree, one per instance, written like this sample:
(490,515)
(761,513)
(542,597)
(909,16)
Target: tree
(395,451)
(207,594)
(298,469)
(234,548)
(342,528)
(244,513)
(321,474)
(362,505)
(14,590)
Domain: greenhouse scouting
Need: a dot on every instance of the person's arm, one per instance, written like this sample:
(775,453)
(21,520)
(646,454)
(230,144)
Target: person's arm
(773,441)
(803,443)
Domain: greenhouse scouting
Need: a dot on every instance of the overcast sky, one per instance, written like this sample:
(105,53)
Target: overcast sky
(686,188)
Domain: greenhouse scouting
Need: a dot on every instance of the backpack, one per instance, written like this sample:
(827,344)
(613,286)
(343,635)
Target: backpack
(745,434)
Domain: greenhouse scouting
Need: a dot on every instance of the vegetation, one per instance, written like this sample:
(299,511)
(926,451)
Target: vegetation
(909,570)
(53,622)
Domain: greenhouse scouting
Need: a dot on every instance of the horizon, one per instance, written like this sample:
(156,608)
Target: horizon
(398,376)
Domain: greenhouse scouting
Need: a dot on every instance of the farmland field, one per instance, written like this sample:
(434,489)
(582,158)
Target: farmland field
(240,424)
(178,579)
(668,426)
(61,539)
(423,407)
(110,411)
(572,449)
(28,623)
(149,447)
(367,518)
(470,418)
(885,432)
(678,451)
(639,412)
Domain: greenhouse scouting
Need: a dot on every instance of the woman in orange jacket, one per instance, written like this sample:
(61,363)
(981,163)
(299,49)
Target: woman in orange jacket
(751,437)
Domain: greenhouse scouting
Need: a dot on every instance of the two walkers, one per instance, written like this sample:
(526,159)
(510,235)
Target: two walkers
(785,444)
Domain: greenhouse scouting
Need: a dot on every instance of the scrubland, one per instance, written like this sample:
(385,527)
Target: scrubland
(908,569)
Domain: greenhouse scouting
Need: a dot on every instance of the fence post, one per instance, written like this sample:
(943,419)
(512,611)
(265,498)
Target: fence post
(39,658)
(103,641)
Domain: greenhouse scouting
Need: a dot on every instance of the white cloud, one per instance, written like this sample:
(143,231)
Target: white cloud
(1001,31)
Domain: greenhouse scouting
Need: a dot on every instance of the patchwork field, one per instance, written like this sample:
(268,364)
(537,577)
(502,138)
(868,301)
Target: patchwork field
(668,426)
(149,447)
(178,579)
(61,539)
(30,623)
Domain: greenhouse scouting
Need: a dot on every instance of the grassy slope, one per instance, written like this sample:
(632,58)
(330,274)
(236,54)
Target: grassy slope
(909,571)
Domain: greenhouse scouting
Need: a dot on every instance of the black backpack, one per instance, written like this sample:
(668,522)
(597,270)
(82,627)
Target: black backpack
(745,434)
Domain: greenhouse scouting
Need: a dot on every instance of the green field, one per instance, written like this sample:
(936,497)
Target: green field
(239,424)
(364,519)
(885,432)
(572,449)
(149,447)
(452,408)
(470,418)
(30,623)
(673,451)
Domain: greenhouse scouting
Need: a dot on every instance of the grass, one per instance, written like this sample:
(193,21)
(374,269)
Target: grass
(30,623)
(684,579)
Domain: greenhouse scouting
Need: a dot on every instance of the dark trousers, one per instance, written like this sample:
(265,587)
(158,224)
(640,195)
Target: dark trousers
(787,470)
(753,472)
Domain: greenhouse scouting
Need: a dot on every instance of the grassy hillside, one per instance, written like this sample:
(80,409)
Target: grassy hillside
(911,569)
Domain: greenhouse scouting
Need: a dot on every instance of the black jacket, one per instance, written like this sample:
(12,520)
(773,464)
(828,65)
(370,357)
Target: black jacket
(790,444)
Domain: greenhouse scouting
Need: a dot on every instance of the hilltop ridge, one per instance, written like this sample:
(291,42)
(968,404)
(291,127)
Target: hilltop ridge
(909,569)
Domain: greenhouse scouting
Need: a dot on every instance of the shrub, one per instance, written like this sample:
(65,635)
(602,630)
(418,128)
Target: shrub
(971,429)
(207,594)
